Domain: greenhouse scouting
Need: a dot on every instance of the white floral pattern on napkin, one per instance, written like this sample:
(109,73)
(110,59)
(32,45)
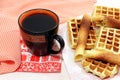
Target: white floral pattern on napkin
(32,63)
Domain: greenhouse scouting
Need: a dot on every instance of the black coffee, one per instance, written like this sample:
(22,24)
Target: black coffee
(38,22)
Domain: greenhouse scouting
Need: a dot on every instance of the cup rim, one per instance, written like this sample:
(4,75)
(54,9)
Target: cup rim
(37,33)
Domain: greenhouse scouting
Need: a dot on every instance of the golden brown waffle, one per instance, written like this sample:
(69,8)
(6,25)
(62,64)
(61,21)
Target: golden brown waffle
(91,38)
(73,27)
(103,70)
(109,39)
(106,16)
(107,11)
(107,46)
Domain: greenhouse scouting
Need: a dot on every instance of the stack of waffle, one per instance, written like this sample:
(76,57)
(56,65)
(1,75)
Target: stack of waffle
(102,49)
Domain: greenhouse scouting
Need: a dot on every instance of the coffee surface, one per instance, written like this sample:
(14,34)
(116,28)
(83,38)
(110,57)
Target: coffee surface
(38,23)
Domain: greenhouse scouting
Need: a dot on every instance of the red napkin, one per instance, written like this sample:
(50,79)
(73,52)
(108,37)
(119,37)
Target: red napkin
(32,63)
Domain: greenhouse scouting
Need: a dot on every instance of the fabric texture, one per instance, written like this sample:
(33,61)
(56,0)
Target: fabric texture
(9,51)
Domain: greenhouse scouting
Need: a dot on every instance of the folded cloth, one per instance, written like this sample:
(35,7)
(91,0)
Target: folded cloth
(10,58)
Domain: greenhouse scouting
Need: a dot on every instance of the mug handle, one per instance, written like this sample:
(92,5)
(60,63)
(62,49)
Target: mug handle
(61,42)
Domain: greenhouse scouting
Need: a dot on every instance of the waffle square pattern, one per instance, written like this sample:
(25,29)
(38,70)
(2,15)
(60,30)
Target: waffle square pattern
(107,11)
(109,39)
(101,69)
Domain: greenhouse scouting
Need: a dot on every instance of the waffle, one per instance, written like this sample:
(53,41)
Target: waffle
(101,69)
(107,11)
(91,38)
(73,27)
(107,46)
(109,39)
(106,16)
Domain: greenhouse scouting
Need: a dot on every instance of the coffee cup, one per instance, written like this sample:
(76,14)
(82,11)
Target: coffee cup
(38,28)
